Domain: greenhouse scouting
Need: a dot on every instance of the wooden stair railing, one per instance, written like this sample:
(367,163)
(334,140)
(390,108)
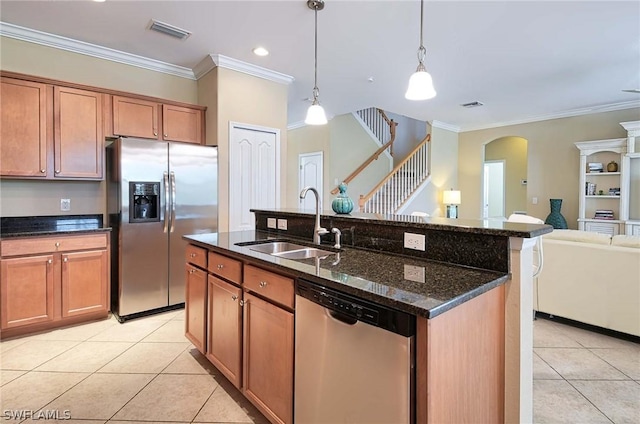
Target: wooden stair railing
(397,187)
(389,145)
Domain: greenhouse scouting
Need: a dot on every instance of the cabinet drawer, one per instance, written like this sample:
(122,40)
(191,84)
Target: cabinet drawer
(196,255)
(273,286)
(225,267)
(36,245)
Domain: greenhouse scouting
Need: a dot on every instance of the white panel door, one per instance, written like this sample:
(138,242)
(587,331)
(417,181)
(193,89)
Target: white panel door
(253,173)
(310,174)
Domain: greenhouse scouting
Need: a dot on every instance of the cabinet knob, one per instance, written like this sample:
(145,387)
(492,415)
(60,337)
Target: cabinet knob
(193,255)
(57,244)
(191,271)
(242,302)
(263,284)
(65,260)
(155,133)
(220,266)
(42,171)
(57,171)
(234,297)
(50,261)
(166,135)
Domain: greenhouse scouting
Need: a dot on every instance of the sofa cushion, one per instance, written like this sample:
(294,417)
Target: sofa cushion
(579,236)
(626,241)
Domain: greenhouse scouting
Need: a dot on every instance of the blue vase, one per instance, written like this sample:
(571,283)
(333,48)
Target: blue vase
(555,218)
(342,204)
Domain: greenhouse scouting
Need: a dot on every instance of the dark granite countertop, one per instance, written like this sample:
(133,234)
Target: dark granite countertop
(375,276)
(494,227)
(28,226)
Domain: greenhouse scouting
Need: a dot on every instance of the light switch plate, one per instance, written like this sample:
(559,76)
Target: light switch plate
(65,205)
(414,241)
(271,223)
(282,224)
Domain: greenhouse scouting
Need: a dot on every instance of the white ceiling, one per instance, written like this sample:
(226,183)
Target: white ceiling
(525,60)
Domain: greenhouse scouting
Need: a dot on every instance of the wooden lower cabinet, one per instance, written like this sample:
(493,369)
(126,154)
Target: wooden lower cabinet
(26,291)
(51,281)
(82,292)
(224,348)
(196,307)
(268,358)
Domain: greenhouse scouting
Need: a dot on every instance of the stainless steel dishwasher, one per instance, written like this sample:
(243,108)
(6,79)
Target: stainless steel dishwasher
(354,360)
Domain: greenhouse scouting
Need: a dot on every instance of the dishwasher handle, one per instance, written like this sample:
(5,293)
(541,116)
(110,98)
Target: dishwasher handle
(342,317)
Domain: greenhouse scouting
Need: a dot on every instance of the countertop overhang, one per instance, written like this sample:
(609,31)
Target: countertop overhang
(417,286)
(32,226)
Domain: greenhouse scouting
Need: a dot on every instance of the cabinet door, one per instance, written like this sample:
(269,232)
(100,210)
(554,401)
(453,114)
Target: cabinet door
(196,307)
(268,358)
(23,139)
(78,133)
(181,124)
(85,278)
(135,117)
(224,339)
(26,291)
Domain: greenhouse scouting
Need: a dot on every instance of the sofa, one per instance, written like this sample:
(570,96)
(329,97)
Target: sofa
(592,278)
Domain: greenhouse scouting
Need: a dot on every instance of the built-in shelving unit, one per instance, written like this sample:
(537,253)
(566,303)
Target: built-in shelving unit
(597,201)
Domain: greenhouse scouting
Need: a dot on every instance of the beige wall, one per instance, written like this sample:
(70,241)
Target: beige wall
(49,62)
(245,99)
(553,160)
(513,150)
(24,198)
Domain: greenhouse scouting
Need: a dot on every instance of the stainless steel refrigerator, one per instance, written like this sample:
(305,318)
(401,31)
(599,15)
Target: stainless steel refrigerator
(157,192)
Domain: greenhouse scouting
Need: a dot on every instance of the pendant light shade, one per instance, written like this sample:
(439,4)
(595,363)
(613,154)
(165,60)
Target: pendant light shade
(315,113)
(420,83)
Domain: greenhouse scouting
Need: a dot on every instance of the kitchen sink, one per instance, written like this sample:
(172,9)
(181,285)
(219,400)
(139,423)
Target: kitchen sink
(288,250)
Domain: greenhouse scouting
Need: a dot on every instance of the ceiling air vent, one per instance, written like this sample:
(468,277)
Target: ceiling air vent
(472,104)
(171,30)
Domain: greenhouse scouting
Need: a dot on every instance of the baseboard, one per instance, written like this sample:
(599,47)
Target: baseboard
(594,328)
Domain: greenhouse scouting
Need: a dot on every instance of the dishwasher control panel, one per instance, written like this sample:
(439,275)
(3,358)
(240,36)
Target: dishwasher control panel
(357,309)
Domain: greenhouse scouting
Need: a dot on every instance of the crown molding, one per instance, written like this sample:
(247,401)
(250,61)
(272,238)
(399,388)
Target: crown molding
(565,114)
(213,60)
(88,49)
(296,125)
(445,126)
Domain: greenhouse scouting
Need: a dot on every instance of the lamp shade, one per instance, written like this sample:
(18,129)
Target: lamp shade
(451,197)
(315,115)
(420,86)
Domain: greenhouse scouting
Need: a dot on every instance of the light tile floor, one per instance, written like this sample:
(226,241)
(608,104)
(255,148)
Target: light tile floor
(146,371)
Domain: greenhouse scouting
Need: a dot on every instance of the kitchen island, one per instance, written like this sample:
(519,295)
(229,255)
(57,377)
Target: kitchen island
(463,328)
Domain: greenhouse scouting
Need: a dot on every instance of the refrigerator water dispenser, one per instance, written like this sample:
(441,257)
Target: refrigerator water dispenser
(144,201)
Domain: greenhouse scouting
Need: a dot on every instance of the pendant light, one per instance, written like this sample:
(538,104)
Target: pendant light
(420,83)
(315,113)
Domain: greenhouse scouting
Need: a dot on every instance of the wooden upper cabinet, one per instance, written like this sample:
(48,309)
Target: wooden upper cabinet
(135,117)
(24,125)
(181,124)
(78,133)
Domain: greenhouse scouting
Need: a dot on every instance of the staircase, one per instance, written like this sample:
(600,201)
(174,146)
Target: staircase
(393,192)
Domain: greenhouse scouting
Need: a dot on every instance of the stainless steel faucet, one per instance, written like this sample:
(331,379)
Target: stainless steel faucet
(318,230)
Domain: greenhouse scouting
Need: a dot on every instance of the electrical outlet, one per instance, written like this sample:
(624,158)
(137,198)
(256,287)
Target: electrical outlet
(282,224)
(414,241)
(534,200)
(65,205)
(271,223)
(414,273)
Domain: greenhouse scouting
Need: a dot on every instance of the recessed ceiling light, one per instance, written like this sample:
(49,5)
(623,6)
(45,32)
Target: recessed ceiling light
(260,51)
(99,1)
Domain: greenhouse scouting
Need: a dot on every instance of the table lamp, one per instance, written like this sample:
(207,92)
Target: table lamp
(451,198)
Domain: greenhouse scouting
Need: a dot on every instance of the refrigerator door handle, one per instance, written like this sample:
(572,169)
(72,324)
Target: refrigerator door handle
(166,202)
(173,200)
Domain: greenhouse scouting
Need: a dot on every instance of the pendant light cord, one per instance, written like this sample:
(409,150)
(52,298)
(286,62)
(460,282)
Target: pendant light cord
(316,91)
(422,52)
